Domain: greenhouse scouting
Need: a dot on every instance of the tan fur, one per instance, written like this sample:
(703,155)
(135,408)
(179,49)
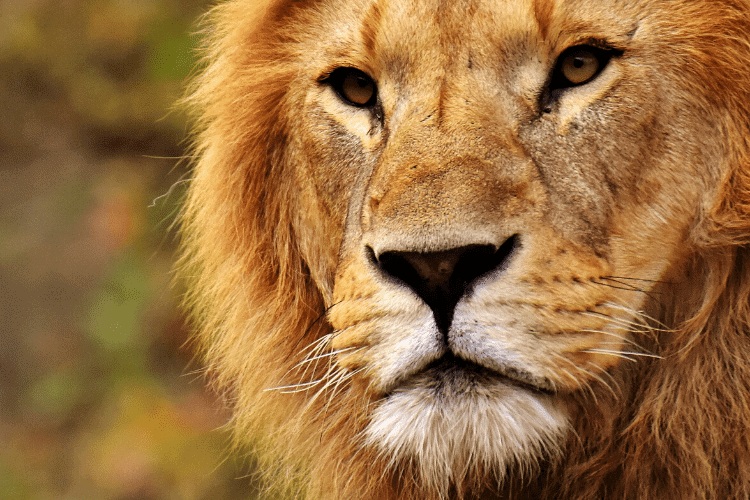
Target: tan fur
(627,301)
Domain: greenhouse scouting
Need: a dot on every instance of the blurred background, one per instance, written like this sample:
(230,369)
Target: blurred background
(99,392)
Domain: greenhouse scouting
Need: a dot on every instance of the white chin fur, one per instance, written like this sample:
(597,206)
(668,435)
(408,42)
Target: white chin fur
(452,429)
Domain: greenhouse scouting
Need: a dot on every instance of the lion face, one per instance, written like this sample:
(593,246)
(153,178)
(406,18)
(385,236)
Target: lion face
(504,183)
(433,244)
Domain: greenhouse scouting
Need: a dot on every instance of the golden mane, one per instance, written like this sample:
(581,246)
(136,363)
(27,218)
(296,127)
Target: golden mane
(683,431)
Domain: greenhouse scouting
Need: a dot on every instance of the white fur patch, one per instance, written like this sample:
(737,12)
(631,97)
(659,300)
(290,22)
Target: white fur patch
(454,425)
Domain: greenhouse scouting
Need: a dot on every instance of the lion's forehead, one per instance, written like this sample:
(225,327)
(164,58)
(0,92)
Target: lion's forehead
(418,38)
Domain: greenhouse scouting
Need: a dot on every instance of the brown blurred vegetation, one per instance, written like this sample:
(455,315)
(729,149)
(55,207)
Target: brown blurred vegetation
(99,398)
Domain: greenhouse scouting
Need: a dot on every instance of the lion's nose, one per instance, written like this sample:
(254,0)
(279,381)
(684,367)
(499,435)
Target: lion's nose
(440,279)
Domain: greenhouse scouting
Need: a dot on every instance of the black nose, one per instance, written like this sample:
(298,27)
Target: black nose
(442,278)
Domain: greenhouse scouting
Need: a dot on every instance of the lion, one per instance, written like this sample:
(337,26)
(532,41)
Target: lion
(477,249)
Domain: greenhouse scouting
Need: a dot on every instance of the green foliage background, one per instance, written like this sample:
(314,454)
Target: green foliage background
(100,397)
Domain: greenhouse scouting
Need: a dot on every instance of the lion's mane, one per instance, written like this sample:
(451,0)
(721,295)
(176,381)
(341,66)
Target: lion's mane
(682,430)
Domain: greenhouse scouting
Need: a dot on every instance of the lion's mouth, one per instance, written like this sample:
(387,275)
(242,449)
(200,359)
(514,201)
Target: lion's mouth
(451,374)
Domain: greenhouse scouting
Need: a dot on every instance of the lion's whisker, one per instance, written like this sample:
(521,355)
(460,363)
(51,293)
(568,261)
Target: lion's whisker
(335,378)
(623,354)
(313,323)
(339,384)
(622,338)
(631,326)
(639,279)
(582,384)
(302,386)
(578,381)
(325,355)
(316,346)
(650,322)
(616,393)
(622,283)
(626,287)
(641,349)
(314,349)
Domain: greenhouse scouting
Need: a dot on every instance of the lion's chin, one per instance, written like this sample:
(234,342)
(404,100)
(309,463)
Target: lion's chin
(454,422)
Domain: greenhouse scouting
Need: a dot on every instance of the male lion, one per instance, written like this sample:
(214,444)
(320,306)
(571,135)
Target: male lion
(478,248)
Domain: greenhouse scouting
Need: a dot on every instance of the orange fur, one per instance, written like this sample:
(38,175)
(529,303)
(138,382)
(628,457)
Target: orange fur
(264,261)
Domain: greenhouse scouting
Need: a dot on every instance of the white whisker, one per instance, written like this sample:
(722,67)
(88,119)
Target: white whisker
(577,380)
(646,318)
(631,326)
(623,354)
(283,388)
(322,356)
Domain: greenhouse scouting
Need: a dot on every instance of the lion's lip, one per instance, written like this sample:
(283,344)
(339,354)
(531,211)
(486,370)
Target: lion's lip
(454,368)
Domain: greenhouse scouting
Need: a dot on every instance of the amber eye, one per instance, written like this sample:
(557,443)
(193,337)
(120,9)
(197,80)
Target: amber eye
(579,65)
(353,86)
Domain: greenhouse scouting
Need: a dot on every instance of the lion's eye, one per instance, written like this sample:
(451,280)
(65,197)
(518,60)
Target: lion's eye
(353,86)
(579,65)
